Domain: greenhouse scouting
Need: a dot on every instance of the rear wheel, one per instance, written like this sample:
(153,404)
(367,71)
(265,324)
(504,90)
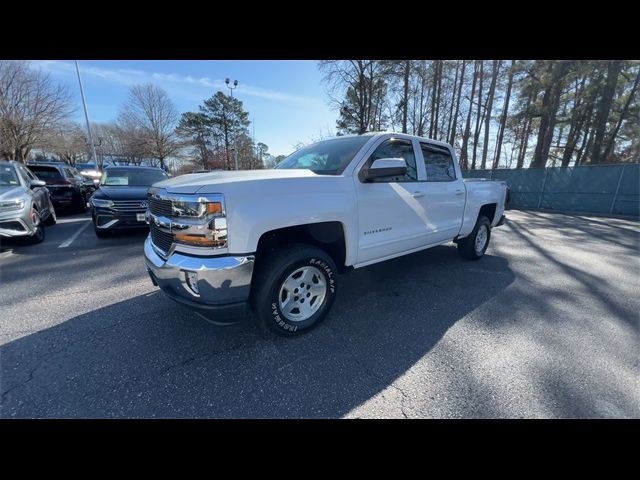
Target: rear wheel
(474,246)
(293,289)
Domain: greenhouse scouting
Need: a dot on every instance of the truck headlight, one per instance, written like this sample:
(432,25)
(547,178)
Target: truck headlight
(97,202)
(198,208)
(11,205)
(205,224)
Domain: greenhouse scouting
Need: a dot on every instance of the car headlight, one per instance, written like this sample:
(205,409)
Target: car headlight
(205,222)
(11,205)
(97,202)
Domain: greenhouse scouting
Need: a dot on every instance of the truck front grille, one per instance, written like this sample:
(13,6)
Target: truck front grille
(162,240)
(159,206)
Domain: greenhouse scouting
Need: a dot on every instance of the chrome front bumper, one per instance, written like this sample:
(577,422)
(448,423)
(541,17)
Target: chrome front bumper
(223,283)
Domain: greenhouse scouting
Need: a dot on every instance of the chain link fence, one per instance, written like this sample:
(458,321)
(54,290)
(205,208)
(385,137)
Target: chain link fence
(612,189)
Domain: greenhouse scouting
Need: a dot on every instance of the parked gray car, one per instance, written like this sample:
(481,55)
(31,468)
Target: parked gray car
(25,203)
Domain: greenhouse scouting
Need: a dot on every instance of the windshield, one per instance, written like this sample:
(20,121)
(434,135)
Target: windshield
(329,157)
(46,173)
(86,166)
(123,177)
(8,177)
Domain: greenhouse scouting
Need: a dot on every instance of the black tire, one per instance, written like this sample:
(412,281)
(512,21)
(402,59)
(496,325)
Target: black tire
(101,232)
(269,277)
(81,206)
(38,236)
(467,246)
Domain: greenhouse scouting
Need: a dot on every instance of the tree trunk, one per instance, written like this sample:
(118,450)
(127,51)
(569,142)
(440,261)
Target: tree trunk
(452,137)
(487,124)
(524,143)
(476,136)
(604,107)
(453,101)
(464,156)
(434,88)
(550,104)
(574,129)
(436,129)
(405,104)
(503,118)
(612,138)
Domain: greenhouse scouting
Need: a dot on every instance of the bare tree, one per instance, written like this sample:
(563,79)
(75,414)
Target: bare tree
(30,107)
(150,108)
(357,88)
(68,142)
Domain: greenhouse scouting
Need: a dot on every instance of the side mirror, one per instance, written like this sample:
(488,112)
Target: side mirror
(386,167)
(37,183)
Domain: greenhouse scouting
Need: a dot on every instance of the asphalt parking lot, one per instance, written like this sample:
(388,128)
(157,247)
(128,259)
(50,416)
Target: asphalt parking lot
(545,325)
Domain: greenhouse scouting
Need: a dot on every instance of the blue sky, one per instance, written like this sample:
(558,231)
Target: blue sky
(285,98)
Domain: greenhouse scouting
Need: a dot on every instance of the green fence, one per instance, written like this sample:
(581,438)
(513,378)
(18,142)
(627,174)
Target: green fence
(612,189)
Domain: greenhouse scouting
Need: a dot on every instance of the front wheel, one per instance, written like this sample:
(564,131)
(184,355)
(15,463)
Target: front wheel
(293,289)
(473,246)
(38,234)
(101,233)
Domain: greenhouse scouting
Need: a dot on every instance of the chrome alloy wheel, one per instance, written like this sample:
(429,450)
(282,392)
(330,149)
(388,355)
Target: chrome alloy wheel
(36,222)
(302,293)
(481,238)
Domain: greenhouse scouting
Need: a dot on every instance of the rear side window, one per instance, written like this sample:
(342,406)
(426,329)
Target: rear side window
(438,163)
(46,173)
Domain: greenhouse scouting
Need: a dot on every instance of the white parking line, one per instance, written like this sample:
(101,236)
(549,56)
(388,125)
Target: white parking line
(69,241)
(72,220)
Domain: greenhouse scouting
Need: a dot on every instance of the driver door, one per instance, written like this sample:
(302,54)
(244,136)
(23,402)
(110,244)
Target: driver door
(391,218)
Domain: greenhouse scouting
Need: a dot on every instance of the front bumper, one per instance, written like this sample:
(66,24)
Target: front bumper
(223,283)
(107,219)
(16,223)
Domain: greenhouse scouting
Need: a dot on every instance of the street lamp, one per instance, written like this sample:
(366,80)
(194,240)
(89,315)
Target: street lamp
(235,137)
(86,116)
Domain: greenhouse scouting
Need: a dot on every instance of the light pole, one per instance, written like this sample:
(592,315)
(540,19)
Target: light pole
(235,136)
(86,117)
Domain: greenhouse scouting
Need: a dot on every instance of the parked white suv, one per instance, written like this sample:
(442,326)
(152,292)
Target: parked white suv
(278,239)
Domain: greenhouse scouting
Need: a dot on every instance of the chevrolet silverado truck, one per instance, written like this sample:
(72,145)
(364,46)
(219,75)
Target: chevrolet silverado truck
(277,239)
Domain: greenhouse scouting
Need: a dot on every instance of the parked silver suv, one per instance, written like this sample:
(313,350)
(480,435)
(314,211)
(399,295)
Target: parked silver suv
(25,203)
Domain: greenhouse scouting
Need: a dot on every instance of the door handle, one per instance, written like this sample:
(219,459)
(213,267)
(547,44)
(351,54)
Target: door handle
(459,192)
(417,194)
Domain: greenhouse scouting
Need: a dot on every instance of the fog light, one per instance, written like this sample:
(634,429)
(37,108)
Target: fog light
(191,278)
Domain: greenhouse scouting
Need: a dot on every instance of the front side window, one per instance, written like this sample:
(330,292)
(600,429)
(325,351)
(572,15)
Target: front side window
(393,148)
(114,177)
(329,157)
(438,162)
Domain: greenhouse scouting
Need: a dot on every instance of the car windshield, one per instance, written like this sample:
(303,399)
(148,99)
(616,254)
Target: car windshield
(86,166)
(46,173)
(8,176)
(122,177)
(329,157)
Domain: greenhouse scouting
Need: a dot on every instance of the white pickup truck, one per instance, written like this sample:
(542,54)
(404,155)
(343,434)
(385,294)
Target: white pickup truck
(277,239)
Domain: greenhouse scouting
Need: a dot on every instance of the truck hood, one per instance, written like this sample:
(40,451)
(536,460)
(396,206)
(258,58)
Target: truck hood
(192,183)
(10,192)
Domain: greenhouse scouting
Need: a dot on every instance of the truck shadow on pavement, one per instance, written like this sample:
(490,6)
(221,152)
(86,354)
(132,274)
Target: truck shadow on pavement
(149,357)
